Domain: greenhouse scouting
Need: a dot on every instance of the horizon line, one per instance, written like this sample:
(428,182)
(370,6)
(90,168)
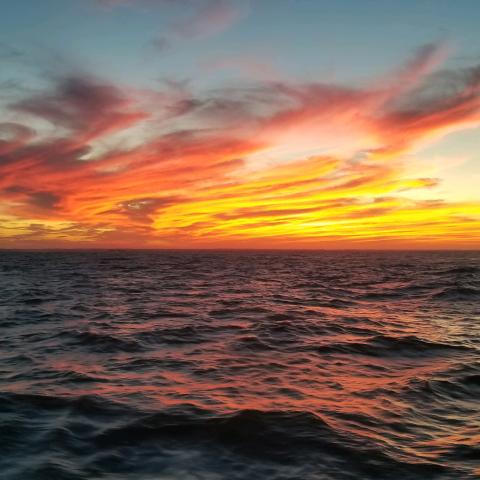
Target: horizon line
(203,249)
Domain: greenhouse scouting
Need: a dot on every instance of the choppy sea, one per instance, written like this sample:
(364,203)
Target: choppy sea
(147,365)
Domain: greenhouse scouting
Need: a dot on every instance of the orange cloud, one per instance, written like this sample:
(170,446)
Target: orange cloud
(273,165)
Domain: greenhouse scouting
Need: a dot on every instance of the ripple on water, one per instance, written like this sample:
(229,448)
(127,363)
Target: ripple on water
(259,365)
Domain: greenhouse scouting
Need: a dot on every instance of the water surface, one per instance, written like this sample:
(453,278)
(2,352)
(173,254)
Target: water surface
(239,365)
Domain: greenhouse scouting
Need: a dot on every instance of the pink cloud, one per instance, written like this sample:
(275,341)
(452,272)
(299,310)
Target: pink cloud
(213,17)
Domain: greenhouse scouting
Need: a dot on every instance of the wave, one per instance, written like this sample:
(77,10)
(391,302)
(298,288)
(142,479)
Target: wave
(251,342)
(406,292)
(387,346)
(281,438)
(11,402)
(464,269)
(458,293)
(101,342)
(460,384)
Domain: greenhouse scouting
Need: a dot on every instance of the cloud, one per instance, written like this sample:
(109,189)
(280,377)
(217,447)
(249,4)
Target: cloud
(141,209)
(290,163)
(7,52)
(161,44)
(44,200)
(211,18)
(453,105)
(207,18)
(14,135)
(87,107)
(37,201)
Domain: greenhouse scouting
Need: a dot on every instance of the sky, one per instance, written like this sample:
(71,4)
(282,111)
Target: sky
(240,124)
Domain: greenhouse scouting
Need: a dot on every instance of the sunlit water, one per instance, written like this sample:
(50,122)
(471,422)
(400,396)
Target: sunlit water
(262,365)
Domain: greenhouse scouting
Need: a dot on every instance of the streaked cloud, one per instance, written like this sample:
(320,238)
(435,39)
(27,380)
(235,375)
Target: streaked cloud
(263,164)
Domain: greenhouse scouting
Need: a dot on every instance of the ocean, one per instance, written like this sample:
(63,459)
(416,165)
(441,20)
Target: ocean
(213,365)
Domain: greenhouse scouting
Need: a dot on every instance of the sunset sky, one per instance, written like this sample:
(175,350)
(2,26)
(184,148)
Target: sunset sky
(239,124)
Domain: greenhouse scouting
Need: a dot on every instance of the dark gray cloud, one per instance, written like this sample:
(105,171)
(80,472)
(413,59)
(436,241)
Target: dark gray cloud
(83,105)
(44,200)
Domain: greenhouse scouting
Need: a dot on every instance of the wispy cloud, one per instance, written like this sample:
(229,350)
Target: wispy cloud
(211,18)
(293,164)
(86,107)
(207,18)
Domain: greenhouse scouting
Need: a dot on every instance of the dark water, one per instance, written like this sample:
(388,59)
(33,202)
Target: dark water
(147,365)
